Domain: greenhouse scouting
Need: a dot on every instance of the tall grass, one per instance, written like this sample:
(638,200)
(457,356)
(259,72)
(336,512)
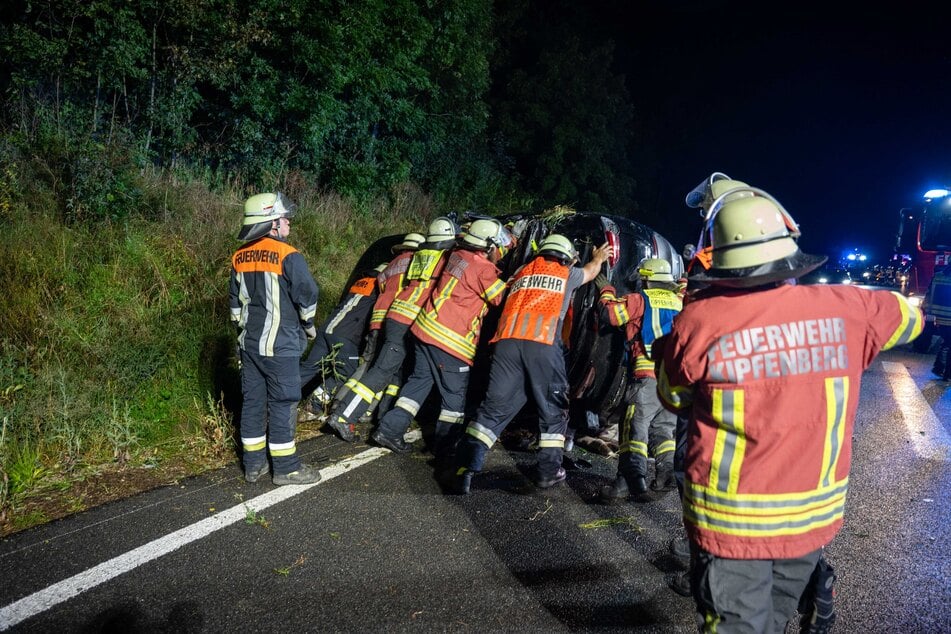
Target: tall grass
(115,346)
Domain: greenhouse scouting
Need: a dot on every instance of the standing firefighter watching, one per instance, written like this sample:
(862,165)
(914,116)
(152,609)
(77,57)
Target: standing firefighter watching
(769,372)
(273,299)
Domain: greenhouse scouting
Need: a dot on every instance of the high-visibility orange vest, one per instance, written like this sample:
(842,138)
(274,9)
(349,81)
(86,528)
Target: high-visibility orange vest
(533,306)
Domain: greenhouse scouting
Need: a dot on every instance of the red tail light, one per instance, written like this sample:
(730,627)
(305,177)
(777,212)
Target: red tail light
(615,243)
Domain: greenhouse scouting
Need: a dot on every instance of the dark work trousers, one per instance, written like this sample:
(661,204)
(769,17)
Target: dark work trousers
(316,369)
(680,450)
(357,395)
(517,365)
(271,389)
(646,427)
(432,367)
(942,364)
(748,595)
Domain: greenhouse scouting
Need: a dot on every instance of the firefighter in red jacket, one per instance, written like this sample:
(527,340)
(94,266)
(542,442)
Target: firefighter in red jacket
(647,427)
(273,299)
(770,374)
(446,334)
(529,357)
(358,395)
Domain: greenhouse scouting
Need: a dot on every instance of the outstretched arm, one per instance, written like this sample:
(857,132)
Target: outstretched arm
(598,257)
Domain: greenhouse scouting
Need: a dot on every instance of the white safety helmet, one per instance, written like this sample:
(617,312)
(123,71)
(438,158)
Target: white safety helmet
(753,240)
(261,210)
(558,246)
(485,233)
(441,229)
(655,270)
(411,242)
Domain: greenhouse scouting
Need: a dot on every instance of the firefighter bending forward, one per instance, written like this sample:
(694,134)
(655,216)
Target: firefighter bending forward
(529,354)
(273,300)
(769,372)
(446,334)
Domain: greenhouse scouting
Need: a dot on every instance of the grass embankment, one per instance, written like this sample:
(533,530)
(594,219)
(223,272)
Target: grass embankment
(116,362)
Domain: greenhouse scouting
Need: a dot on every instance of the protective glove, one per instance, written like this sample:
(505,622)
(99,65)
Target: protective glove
(601,281)
(311,332)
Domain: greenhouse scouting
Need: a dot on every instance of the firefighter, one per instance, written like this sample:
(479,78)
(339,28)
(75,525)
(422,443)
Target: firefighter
(647,427)
(336,351)
(770,373)
(528,360)
(358,394)
(446,334)
(273,299)
(938,306)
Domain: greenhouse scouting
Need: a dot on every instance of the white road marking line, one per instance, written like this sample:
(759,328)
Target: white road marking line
(927,434)
(57,593)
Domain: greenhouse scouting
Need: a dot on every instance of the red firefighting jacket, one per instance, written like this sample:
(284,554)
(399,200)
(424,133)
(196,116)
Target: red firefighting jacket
(646,317)
(772,377)
(424,269)
(389,282)
(452,316)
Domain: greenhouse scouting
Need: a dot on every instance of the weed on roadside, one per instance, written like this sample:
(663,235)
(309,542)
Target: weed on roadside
(252,517)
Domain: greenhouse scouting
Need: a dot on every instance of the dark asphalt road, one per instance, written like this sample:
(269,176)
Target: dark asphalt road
(377,547)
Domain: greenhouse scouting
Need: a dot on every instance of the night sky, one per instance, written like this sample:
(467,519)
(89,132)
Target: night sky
(844,117)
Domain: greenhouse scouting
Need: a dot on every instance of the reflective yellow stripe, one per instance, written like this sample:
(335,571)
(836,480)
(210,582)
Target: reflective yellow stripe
(405,308)
(282,449)
(551,440)
(837,399)
(497,288)
(730,444)
(676,397)
(665,447)
(445,293)
(642,363)
(465,346)
(359,389)
(766,521)
(254,444)
(482,434)
(911,323)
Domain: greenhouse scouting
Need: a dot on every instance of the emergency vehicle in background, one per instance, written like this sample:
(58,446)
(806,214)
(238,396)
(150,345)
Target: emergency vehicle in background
(924,242)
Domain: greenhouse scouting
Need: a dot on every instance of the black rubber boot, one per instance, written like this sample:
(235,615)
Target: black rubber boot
(664,479)
(396,445)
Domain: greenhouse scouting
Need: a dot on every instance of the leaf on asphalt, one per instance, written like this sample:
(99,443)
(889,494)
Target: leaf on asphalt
(548,507)
(612,521)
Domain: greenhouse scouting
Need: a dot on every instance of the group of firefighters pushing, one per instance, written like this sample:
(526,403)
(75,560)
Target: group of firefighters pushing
(763,470)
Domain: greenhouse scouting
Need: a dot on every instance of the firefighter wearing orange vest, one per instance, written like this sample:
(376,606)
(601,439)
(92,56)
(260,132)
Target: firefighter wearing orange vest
(647,427)
(529,355)
(446,334)
(359,395)
(273,300)
(770,373)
